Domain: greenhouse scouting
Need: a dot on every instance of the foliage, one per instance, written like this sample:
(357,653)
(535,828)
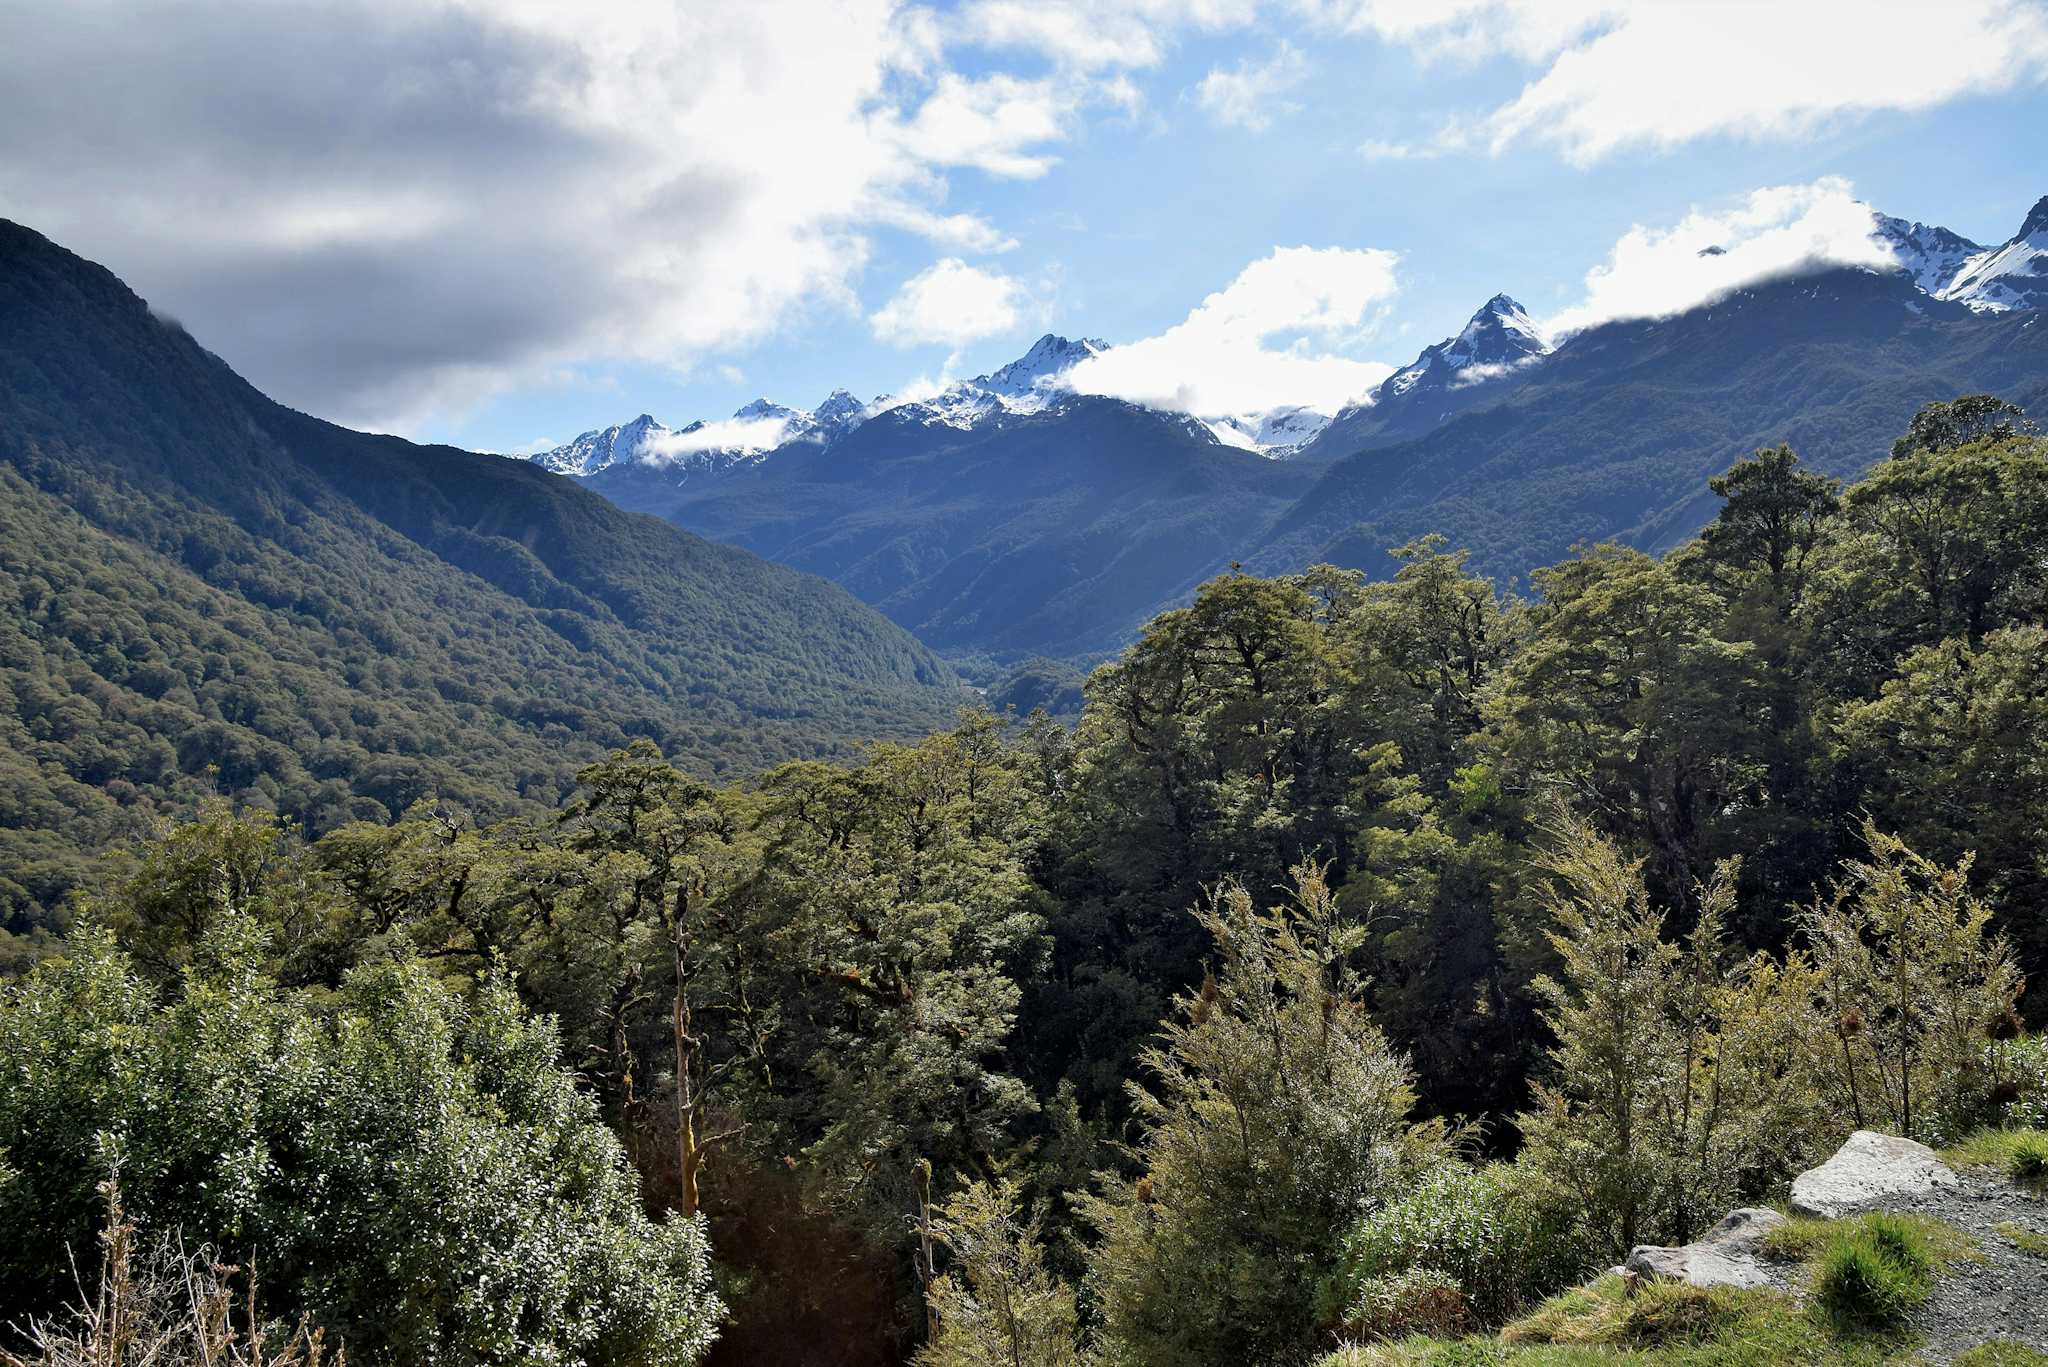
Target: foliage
(1680,1081)
(1910,982)
(805,1003)
(163,1307)
(1999,1353)
(415,1175)
(997,1306)
(2026,1240)
(1994,1148)
(1661,1325)
(1490,1238)
(1278,1115)
(2028,1164)
(202,592)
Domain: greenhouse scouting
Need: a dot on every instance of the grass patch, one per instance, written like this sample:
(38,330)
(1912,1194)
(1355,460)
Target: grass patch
(2021,1154)
(1997,1354)
(1872,1277)
(1663,1325)
(1879,1263)
(1659,1313)
(2027,1240)
(1803,1240)
(2027,1164)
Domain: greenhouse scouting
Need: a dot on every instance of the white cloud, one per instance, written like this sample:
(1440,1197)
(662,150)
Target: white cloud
(731,434)
(1248,95)
(1275,335)
(464,196)
(999,124)
(1657,73)
(1772,233)
(952,303)
(1386,149)
(1090,35)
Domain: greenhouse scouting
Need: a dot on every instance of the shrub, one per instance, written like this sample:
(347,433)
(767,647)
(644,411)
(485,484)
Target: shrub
(1279,1113)
(1484,1230)
(164,1306)
(2017,1082)
(413,1171)
(1419,1300)
(1874,1273)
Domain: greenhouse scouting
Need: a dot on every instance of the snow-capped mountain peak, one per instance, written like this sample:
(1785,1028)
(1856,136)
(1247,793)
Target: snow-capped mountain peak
(1930,254)
(2037,219)
(1037,369)
(1499,337)
(2012,276)
(599,450)
(1026,385)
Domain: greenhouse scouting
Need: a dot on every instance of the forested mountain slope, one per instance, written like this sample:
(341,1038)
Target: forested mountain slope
(1614,436)
(1057,532)
(201,590)
(1050,533)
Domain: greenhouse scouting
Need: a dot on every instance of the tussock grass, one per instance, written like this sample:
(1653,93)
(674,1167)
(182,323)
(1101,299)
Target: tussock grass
(1872,1278)
(1803,1240)
(2021,1154)
(1661,1326)
(2028,1161)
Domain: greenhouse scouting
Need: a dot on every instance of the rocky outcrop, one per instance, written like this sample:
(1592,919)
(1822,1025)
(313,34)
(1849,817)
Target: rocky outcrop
(1729,1254)
(1868,1169)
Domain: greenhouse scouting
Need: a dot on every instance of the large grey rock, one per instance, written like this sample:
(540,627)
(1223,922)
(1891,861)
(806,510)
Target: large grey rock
(1870,1167)
(1729,1254)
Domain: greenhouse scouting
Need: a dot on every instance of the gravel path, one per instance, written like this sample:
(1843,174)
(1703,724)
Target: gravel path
(2005,1296)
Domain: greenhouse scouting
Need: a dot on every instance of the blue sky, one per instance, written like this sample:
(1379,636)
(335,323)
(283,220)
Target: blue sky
(502,224)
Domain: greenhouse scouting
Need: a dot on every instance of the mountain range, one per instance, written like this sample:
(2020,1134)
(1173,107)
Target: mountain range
(206,592)
(1007,516)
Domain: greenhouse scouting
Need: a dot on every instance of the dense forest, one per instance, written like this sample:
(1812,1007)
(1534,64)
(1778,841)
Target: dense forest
(1372,956)
(205,593)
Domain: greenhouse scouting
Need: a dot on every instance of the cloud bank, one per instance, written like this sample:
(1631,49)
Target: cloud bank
(385,211)
(1624,74)
(1275,335)
(1772,233)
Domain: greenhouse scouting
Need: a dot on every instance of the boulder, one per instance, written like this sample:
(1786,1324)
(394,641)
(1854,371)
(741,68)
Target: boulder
(1729,1254)
(1870,1167)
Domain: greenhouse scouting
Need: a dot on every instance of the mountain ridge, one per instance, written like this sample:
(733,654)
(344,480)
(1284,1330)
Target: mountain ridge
(208,592)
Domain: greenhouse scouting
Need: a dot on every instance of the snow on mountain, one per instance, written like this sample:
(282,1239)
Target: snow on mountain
(1500,337)
(1028,384)
(2012,276)
(1277,432)
(594,451)
(750,433)
(1932,255)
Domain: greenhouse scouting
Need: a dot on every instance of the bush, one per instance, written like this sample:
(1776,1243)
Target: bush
(165,1307)
(2018,1073)
(1874,1273)
(1484,1231)
(413,1172)
(1419,1300)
